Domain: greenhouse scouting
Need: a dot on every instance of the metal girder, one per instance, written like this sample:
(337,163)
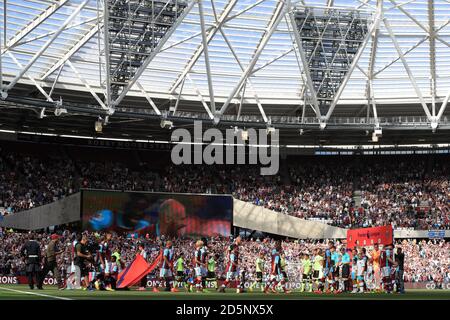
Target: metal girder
(258,102)
(245,10)
(352,67)
(34,23)
(49,33)
(372,60)
(273,24)
(41,90)
(408,70)
(443,106)
(213,9)
(272,60)
(178,98)
(5,24)
(200,48)
(81,42)
(46,45)
(304,62)
(410,16)
(106,54)
(86,84)
(150,57)
(149,99)
(197,90)
(206,56)
(398,58)
(432,41)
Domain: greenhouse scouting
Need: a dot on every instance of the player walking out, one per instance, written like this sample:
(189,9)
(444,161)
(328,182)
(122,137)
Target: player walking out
(386,263)
(211,275)
(166,268)
(259,268)
(306,277)
(376,266)
(276,274)
(318,267)
(232,266)
(198,265)
(179,266)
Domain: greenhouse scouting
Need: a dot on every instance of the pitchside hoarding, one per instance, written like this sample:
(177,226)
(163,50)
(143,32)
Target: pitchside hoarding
(156,214)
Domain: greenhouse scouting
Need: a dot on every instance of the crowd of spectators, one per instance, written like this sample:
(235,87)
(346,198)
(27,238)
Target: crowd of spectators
(409,194)
(425,261)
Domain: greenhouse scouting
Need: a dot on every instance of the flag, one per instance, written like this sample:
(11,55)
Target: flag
(136,271)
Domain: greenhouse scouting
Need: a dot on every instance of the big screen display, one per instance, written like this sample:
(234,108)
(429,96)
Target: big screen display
(156,214)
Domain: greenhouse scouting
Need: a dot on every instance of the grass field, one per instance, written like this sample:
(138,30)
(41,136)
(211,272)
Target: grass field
(22,292)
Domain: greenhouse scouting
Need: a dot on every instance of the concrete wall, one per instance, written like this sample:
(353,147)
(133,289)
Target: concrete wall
(250,216)
(60,212)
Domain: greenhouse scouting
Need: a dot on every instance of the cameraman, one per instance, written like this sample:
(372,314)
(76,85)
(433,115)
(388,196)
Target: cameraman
(82,255)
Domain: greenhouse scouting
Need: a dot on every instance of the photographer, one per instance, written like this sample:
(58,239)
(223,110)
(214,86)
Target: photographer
(82,256)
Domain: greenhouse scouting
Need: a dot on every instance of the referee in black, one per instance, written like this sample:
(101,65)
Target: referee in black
(31,250)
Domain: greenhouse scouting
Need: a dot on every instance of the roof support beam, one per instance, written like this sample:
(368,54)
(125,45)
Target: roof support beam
(5,23)
(272,60)
(151,56)
(198,52)
(373,54)
(81,42)
(41,90)
(304,63)
(338,94)
(86,84)
(46,45)
(258,102)
(408,70)
(44,35)
(432,41)
(35,23)
(404,54)
(178,98)
(443,107)
(149,99)
(273,24)
(197,90)
(206,56)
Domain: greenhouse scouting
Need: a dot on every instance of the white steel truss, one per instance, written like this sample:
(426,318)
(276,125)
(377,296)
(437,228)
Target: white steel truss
(56,48)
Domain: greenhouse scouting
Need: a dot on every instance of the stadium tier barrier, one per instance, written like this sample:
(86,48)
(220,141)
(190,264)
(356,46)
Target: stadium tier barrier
(253,217)
(60,212)
(245,215)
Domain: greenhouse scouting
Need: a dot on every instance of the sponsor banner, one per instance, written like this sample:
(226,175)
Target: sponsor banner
(49,281)
(436,234)
(369,236)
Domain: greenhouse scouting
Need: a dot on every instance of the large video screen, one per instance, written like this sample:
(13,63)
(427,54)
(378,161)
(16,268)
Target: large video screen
(156,214)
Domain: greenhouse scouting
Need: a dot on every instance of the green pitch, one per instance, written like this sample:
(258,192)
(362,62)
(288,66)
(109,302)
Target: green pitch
(22,292)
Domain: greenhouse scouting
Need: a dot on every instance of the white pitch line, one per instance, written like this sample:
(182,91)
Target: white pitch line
(36,294)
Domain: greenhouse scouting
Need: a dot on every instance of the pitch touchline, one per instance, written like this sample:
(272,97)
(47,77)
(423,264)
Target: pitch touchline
(36,294)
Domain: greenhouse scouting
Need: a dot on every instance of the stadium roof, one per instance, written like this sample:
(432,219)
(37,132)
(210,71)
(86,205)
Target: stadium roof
(53,49)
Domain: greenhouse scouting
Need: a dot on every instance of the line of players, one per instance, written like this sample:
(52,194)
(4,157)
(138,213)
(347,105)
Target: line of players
(328,271)
(355,271)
